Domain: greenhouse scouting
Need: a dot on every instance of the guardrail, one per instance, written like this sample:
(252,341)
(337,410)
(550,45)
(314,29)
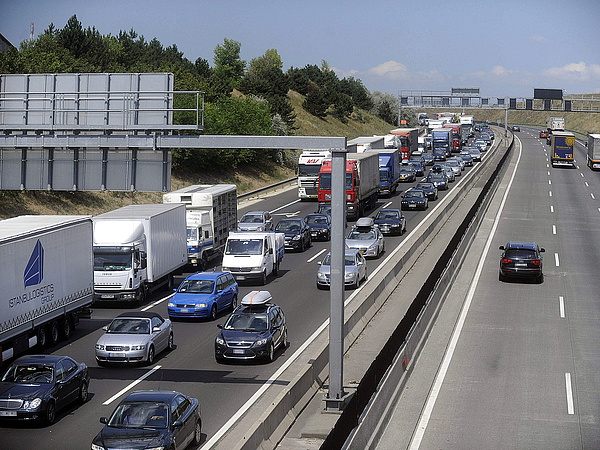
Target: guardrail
(266,422)
(266,190)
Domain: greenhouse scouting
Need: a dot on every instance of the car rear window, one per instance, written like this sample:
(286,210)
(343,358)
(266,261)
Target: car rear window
(520,253)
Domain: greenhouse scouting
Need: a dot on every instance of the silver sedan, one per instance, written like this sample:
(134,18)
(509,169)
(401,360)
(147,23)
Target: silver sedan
(355,270)
(134,337)
(368,240)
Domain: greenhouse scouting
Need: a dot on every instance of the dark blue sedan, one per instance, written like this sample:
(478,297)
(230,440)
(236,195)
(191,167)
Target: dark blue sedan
(152,420)
(390,221)
(320,226)
(204,295)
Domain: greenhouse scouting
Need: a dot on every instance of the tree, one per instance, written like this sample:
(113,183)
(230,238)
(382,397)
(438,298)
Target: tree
(228,69)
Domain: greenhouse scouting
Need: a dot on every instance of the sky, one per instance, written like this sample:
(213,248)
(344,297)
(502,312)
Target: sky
(506,48)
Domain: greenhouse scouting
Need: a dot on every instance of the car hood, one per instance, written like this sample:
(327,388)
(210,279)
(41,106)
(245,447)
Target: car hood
(387,221)
(360,243)
(317,226)
(240,335)
(123,339)
(181,297)
(23,391)
(127,438)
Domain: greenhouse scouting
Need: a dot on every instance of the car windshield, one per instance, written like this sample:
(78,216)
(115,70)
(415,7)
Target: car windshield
(425,185)
(288,225)
(29,374)
(246,322)
(387,215)
(316,220)
(349,260)
(362,235)
(244,247)
(414,194)
(252,218)
(129,326)
(197,286)
(140,415)
(113,262)
(521,253)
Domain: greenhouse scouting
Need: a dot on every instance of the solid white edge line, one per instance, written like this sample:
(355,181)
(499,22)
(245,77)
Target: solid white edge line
(439,379)
(131,385)
(561,306)
(284,206)
(569,389)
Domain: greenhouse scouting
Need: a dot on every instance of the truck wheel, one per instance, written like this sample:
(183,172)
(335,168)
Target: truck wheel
(276,269)
(263,280)
(66,327)
(42,337)
(54,332)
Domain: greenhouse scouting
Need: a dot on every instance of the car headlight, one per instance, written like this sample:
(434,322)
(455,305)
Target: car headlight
(259,229)
(257,269)
(138,347)
(373,246)
(260,342)
(225,269)
(297,237)
(321,275)
(201,305)
(99,347)
(32,404)
(220,340)
(349,275)
(97,447)
(170,305)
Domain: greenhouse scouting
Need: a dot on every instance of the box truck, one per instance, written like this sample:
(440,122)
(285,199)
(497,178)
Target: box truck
(210,213)
(562,149)
(253,255)
(555,124)
(362,183)
(47,279)
(137,249)
(593,151)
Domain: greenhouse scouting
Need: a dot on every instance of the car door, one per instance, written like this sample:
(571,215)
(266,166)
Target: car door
(225,294)
(275,329)
(184,434)
(67,385)
(161,336)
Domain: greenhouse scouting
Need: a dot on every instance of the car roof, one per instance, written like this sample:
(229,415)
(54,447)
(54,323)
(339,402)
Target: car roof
(140,314)
(40,359)
(522,244)
(390,209)
(151,396)
(205,275)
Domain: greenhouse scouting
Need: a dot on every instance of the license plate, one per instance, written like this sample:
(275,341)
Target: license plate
(107,296)
(412,206)
(116,355)
(8,414)
(520,265)
(237,351)
(240,277)
(183,310)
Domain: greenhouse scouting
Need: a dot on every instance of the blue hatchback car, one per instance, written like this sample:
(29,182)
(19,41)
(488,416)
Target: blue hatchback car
(204,295)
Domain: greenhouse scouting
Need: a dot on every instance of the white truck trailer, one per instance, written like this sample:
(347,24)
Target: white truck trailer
(137,249)
(555,124)
(309,164)
(47,279)
(593,151)
(211,212)
(253,255)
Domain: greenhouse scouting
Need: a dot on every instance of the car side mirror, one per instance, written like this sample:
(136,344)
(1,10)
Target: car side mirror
(177,424)
(220,326)
(501,247)
(104,420)
(105,328)
(542,250)
(155,329)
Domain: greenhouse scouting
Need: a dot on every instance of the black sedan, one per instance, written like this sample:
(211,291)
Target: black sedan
(429,188)
(320,226)
(151,420)
(521,260)
(414,199)
(297,234)
(391,221)
(35,387)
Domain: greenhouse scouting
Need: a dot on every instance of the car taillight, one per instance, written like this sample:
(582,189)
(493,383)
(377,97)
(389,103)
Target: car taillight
(506,261)
(536,262)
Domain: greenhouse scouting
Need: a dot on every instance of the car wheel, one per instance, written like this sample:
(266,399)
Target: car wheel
(284,341)
(271,353)
(234,302)
(170,344)
(42,337)
(83,392)
(66,328)
(540,279)
(54,332)
(197,433)
(213,312)
(263,280)
(150,358)
(501,277)
(50,415)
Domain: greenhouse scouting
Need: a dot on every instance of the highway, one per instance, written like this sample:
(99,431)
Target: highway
(191,368)
(517,366)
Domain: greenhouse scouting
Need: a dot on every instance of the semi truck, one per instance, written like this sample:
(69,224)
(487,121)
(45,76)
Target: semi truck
(362,183)
(593,151)
(365,143)
(555,124)
(253,255)
(47,280)
(441,143)
(409,140)
(562,149)
(389,171)
(210,213)
(137,249)
(309,164)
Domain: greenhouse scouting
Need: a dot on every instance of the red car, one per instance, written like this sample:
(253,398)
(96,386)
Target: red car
(543,134)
